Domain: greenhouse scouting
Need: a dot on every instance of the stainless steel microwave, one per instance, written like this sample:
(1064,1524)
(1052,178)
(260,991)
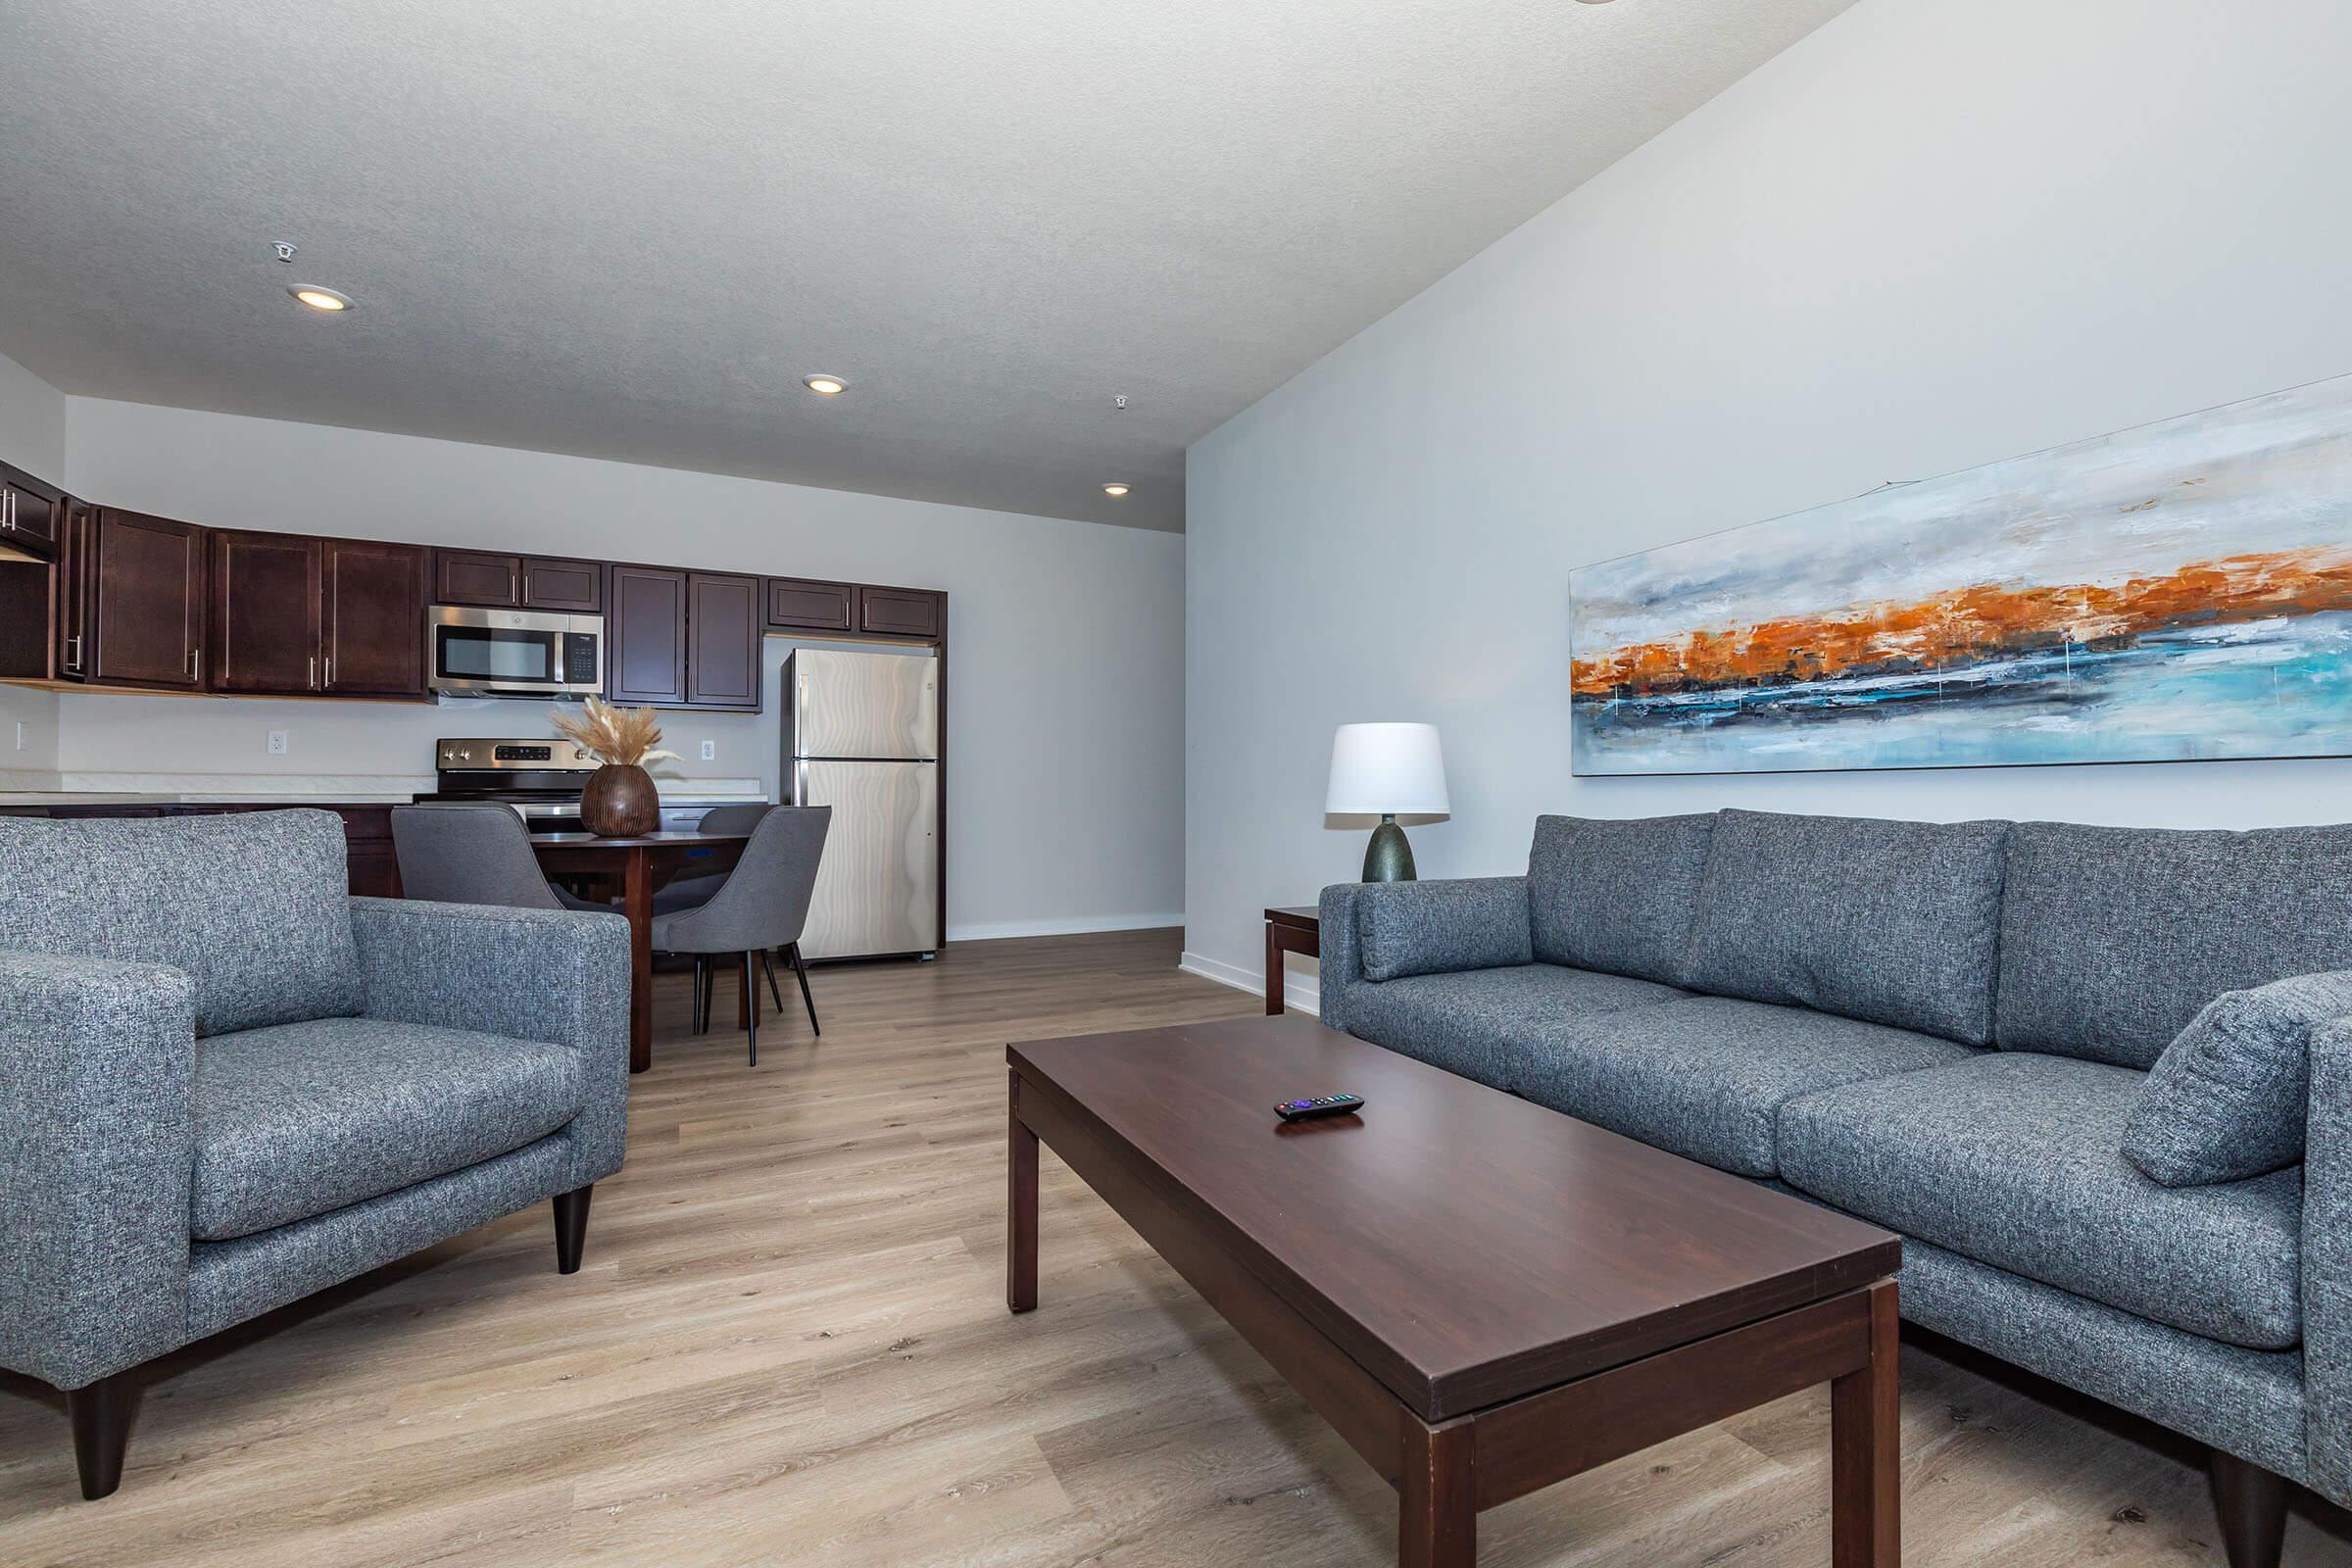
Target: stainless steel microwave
(515,653)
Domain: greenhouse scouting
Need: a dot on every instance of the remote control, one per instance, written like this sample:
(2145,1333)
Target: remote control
(1326,1105)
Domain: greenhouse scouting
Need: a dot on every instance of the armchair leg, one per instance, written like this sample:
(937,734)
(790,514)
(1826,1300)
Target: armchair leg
(801,968)
(2252,1504)
(101,1416)
(571,1227)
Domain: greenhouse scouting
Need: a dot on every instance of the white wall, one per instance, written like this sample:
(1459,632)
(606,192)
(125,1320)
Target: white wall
(33,436)
(1065,786)
(1929,236)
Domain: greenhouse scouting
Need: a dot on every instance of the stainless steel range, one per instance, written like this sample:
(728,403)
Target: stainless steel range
(541,779)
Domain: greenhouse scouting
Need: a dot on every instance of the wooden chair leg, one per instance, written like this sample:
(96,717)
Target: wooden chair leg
(799,967)
(101,1416)
(2252,1504)
(571,1227)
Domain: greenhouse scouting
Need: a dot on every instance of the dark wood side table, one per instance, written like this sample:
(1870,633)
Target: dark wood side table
(1298,929)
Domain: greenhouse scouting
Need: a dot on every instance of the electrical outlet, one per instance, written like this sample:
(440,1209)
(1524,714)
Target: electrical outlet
(277,743)
(710,751)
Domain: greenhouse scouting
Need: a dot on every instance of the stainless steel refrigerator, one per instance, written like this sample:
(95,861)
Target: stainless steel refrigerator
(861,735)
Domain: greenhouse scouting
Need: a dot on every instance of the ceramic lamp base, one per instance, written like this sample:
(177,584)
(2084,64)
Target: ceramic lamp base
(1387,858)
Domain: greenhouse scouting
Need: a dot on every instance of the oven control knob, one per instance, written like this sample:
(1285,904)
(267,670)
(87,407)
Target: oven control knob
(461,755)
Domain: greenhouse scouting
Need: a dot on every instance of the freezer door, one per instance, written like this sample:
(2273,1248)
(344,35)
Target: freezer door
(864,705)
(877,886)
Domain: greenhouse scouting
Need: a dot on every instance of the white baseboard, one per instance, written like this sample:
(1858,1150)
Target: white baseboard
(1299,994)
(1065,926)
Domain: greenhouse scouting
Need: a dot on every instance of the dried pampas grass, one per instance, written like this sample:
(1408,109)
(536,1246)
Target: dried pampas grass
(621,737)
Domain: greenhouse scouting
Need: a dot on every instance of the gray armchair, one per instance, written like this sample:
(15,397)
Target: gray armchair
(227,1084)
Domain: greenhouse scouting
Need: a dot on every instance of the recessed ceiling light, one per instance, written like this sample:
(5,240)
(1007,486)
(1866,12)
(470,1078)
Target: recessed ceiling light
(1115,489)
(320,298)
(825,386)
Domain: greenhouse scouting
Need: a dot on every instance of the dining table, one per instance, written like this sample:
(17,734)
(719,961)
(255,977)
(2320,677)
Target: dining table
(635,869)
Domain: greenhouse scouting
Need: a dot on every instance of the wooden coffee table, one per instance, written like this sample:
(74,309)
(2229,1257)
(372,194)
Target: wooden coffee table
(1482,1296)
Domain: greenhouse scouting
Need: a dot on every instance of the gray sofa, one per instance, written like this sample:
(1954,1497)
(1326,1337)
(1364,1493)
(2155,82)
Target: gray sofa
(1956,1031)
(225,1083)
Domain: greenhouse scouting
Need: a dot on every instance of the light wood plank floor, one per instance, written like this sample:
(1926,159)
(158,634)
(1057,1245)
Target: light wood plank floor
(789,1346)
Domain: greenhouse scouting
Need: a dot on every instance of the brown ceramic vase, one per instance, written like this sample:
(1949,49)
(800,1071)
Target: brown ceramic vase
(619,802)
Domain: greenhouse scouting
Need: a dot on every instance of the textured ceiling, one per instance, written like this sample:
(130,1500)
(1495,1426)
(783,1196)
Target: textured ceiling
(628,229)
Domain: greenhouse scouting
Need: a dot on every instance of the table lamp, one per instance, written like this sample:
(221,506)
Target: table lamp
(1383,771)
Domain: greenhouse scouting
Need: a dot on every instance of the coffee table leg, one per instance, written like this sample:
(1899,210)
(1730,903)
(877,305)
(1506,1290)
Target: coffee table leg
(1020,1217)
(1437,1496)
(1866,1449)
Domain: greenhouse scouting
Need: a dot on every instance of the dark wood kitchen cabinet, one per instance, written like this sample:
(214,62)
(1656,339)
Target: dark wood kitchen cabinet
(76,543)
(901,611)
(31,512)
(292,614)
(803,604)
(645,636)
(682,639)
(722,643)
(372,619)
(147,610)
(266,618)
(517,582)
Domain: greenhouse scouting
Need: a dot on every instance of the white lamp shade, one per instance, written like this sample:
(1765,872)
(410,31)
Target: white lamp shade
(1378,769)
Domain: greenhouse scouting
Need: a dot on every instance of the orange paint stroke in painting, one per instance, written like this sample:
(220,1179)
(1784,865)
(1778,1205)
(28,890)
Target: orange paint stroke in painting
(1972,625)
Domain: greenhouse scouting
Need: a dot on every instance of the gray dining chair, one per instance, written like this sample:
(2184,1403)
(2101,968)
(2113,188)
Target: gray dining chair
(763,905)
(692,892)
(467,852)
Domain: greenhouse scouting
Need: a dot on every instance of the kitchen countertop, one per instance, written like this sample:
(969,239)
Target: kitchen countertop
(314,790)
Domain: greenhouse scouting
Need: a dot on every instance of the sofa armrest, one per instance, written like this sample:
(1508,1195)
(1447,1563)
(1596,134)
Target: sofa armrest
(97,1150)
(1339,961)
(1442,927)
(529,974)
(2328,1261)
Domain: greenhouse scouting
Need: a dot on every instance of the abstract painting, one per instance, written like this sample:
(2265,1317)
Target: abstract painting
(2181,591)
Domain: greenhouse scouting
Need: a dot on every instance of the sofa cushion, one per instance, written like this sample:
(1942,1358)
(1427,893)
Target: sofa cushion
(1894,922)
(1487,1024)
(304,1118)
(2114,938)
(2016,1161)
(1706,1076)
(254,907)
(1617,896)
(2229,1096)
(1409,928)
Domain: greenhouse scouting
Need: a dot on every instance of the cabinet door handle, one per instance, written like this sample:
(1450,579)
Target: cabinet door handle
(330,669)
(512,594)
(74,652)
(314,678)
(8,508)
(526,587)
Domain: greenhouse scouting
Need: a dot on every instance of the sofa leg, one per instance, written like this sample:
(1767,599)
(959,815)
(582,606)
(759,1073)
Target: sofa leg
(2252,1504)
(101,1416)
(571,1227)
